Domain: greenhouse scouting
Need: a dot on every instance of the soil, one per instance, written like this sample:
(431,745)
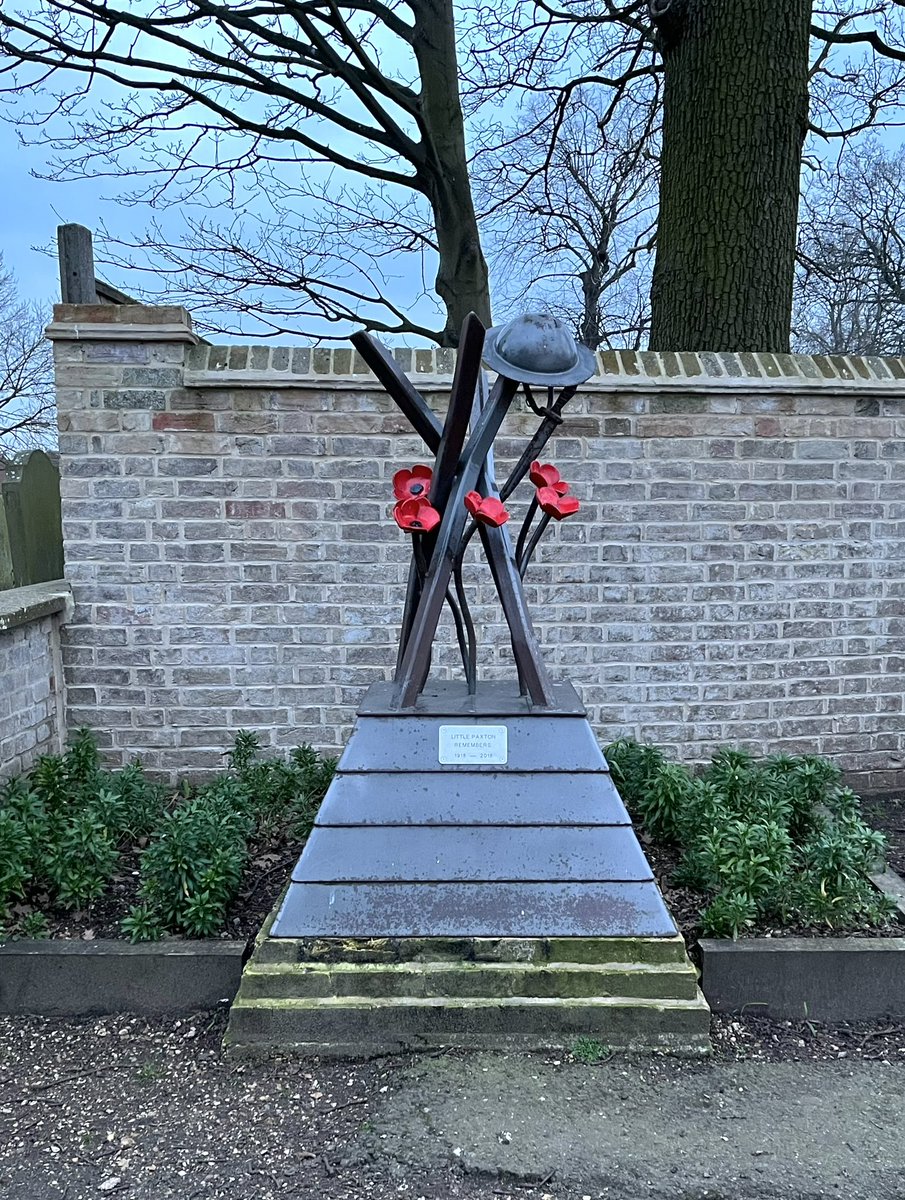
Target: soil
(152,1110)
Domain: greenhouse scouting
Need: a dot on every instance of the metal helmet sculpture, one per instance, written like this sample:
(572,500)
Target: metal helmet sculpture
(537,348)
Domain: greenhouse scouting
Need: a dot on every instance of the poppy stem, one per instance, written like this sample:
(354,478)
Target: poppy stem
(469,660)
(529,517)
(412,595)
(545,431)
(465,539)
(460,631)
(532,545)
(419,556)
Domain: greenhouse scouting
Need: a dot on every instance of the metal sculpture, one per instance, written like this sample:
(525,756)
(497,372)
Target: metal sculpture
(488,814)
(445,506)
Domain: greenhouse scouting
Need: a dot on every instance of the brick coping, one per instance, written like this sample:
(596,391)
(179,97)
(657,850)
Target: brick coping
(617,370)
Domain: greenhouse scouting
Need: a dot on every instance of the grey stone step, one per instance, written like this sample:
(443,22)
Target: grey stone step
(358,1026)
(668,981)
(537,950)
(409,743)
(474,799)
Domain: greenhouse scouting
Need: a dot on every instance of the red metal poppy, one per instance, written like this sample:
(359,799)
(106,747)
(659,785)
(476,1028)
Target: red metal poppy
(414,484)
(545,475)
(555,504)
(416,516)
(486,510)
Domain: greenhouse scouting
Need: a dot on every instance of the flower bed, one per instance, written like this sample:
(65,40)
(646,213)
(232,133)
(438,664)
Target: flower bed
(90,853)
(775,847)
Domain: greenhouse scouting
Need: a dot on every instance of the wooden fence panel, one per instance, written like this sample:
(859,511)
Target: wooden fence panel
(31,528)
(39,495)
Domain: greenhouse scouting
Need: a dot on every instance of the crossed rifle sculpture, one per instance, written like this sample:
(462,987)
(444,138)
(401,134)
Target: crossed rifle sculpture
(463,464)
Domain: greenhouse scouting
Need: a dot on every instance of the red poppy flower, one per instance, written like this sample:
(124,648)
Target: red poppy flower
(416,516)
(555,504)
(414,484)
(545,475)
(488,511)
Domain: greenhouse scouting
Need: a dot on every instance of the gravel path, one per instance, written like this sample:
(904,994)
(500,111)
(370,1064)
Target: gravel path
(149,1110)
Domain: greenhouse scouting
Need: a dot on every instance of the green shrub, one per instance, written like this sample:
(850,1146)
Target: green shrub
(34,926)
(65,824)
(15,848)
(727,915)
(80,859)
(778,839)
(632,767)
(664,796)
(192,868)
(67,821)
(142,924)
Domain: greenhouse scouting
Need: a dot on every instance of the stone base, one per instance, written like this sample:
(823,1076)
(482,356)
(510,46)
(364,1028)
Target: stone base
(354,998)
(534,842)
(504,903)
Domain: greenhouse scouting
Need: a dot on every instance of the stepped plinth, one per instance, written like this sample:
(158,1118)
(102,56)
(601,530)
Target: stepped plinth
(473,879)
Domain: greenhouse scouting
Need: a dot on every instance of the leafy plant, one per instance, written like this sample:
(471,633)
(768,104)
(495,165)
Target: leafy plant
(34,926)
(727,915)
(663,797)
(81,859)
(64,825)
(778,838)
(14,858)
(142,925)
(192,867)
(633,767)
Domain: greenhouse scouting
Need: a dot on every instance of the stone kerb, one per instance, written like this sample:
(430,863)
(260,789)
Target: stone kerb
(734,573)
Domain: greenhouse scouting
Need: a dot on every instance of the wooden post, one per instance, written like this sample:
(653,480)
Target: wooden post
(77,282)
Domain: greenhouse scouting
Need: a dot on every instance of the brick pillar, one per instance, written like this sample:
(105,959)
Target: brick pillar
(117,366)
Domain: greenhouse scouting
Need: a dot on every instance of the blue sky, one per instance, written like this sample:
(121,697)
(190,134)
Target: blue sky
(32,210)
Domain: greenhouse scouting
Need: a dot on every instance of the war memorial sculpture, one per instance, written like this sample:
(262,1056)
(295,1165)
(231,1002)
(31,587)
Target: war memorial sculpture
(473,874)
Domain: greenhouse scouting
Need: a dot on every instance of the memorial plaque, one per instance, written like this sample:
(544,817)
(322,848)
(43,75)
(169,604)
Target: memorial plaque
(474,745)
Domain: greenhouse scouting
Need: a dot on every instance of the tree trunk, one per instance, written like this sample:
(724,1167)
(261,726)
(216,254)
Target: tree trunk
(734,119)
(462,281)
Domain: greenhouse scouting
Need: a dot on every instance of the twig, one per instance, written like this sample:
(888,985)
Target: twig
(43,1087)
(348,1104)
(880,1033)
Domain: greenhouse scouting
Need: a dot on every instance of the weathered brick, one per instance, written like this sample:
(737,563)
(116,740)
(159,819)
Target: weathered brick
(724,580)
(199,421)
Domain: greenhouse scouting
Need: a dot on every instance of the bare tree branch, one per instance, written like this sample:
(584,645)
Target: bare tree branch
(27,406)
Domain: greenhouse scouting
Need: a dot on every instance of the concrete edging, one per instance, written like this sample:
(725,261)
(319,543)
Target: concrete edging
(818,979)
(75,978)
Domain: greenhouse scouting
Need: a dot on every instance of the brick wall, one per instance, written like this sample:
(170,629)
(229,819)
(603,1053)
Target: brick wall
(31,698)
(735,574)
